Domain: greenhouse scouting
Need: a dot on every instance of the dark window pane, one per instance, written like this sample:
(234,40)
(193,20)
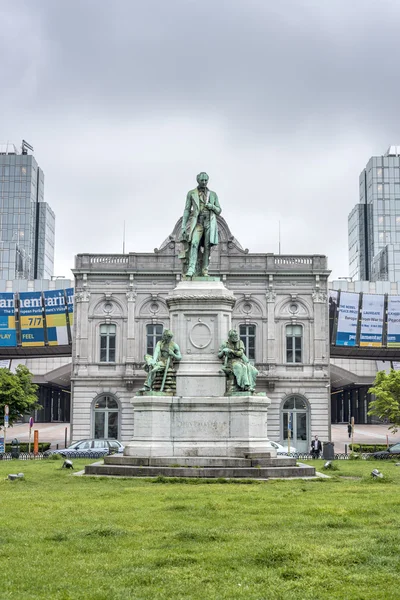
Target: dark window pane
(289,404)
(99,420)
(113,425)
(111,355)
(300,404)
(103,355)
(111,403)
(101,403)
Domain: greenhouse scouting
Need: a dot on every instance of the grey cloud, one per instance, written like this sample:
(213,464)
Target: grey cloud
(125,101)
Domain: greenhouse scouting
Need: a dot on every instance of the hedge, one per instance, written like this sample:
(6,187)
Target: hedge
(367,447)
(24,446)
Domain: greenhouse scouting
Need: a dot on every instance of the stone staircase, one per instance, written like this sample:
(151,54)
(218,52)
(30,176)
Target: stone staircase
(258,465)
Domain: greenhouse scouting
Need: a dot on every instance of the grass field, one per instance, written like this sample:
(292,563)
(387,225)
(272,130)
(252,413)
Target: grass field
(67,537)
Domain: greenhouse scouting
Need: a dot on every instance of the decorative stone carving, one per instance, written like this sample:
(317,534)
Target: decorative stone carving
(82,296)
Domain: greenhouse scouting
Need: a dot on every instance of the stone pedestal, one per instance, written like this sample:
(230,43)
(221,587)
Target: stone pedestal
(200,420)
(229,426)
(200,317)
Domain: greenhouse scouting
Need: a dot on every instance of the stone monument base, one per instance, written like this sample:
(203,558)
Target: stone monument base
(225,426)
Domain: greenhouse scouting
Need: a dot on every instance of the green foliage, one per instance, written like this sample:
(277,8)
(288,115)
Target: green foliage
(18,391)
(354,456)
(367,447)
(386,405)
(24,446)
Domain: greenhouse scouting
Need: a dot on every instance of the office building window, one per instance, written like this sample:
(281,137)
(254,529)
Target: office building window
(247,335)
(153,335)
(107,343)
(294,335)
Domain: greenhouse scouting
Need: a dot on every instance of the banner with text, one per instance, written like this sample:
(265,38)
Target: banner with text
(393,322)
(69,292)
(31,318)
(8,334)
(371,333)
(347,319)
(56,317)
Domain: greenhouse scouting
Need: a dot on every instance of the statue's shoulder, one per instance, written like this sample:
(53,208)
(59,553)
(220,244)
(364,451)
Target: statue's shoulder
(192,192)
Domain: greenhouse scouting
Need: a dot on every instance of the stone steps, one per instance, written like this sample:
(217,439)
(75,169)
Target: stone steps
(208,467)
(198,461)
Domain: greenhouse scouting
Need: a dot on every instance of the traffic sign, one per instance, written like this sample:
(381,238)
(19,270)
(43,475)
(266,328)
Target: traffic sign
(5,420)
(30,421)
(6,409)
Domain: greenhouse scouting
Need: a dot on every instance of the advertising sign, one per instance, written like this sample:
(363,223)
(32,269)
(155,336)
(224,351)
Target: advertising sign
(56,317)
(8,336)
(372,320)
(69,292)
(347,319)
(393,322)
(31,318)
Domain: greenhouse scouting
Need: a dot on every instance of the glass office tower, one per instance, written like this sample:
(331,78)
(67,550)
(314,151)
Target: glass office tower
(27,223)
(374,223)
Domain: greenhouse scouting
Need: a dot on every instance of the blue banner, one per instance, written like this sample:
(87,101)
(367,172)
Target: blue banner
(31,318)
(8,335)
(393,322)
(347,319)
(69,292)
(371,333)
(56,317)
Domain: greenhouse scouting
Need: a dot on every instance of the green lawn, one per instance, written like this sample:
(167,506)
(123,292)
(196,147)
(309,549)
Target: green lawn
(94,538)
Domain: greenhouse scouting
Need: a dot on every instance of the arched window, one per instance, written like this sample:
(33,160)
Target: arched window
(107,342)
(294,337)
(154,332)
(247,335)
(106,416)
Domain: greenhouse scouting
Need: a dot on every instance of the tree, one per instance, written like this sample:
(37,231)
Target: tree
(386,405)
(18,391)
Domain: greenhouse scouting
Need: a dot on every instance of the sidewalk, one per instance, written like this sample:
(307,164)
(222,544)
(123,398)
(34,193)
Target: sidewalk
(363,434)
(55,433)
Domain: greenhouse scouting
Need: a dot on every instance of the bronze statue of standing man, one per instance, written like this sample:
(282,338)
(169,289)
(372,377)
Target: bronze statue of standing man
(199,228)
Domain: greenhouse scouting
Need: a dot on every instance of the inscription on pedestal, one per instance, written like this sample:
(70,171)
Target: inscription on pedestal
(201,428)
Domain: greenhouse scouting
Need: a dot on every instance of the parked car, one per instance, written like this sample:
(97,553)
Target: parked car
(101,447)
(393,451)
(283,449)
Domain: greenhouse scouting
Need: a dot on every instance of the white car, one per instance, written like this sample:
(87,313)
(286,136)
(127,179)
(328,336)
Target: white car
(283,449)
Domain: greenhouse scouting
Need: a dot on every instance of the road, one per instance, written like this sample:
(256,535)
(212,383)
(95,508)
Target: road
(55,433)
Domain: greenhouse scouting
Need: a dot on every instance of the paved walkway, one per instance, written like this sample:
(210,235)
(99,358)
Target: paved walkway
(55,433)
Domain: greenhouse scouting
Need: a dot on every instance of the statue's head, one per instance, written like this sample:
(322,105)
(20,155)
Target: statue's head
(167,335)
(202,179)
(233,335)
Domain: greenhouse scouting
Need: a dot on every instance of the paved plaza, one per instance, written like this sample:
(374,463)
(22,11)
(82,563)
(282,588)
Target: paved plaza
(55,433)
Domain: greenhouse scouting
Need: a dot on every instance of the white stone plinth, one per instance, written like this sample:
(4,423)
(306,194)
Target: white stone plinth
(200,318)
(192,426)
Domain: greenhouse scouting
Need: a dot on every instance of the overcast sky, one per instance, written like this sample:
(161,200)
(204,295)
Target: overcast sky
(126,101)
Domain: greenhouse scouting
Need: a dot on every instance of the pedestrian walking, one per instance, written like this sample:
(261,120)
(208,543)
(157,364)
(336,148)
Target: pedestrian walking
(316,447)
(349,429)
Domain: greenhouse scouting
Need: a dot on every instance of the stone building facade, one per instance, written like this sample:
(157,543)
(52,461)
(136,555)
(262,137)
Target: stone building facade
(281,313)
